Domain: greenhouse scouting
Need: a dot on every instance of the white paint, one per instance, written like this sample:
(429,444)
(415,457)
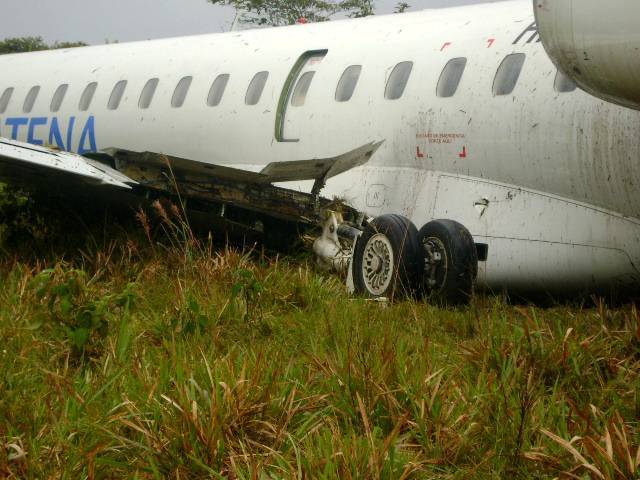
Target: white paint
(560,172)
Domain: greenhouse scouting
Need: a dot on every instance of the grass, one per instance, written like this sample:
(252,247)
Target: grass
(138,360)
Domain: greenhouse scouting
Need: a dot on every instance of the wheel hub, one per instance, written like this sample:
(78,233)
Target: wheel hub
(377,267)
(434,262)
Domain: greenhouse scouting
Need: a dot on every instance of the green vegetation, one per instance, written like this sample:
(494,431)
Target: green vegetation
(139,359)
(288,12)
(32,44)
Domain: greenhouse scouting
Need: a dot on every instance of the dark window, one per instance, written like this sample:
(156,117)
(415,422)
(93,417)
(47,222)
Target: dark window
(254,92)
(508,74)
(87,96)
(58,97)
(30,99)
(563,84)
(398,80)
(116,95)
(5,98)
(348,82)
(146,96)
(180,93)
(450,77)
(217,89)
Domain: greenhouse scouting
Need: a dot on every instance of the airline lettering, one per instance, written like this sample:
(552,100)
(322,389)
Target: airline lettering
(532,31)
(36,132)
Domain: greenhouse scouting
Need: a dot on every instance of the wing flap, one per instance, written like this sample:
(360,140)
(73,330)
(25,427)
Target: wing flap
(319,169)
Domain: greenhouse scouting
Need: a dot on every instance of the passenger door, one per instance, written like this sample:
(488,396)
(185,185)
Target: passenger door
(292,111)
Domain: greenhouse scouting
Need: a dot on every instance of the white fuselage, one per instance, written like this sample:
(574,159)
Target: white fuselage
(549,181)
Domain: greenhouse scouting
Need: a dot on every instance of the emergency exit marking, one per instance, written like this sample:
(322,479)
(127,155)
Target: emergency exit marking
(419,154)
(464,153)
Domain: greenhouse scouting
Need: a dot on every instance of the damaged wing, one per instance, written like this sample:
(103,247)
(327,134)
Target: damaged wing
(149,174)
(26,164)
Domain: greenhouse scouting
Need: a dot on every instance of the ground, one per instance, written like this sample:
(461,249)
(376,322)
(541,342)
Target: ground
(139,358)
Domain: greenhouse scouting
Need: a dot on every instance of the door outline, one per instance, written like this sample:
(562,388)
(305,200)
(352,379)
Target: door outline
(287,91)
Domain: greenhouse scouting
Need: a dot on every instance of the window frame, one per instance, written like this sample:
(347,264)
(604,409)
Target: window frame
(301,89)
(256,87)
(343,81)
(58,97)
(86,99)
(399,77)
(148,92)
(562,79)
(181,91)
(502,80)
(5,99)
(218,89)
(30,99)
(450,77)
(117,95)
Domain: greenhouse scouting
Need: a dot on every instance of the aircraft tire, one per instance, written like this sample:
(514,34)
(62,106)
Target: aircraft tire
(386,261)
(450,262)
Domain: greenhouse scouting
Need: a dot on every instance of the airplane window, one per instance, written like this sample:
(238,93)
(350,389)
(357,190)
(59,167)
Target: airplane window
(87,96)
(4,99)
(508,74)
(180,93)
(398,80)
(563,84)
(450,77)
(147,94)
(347,83)
(302,88)
(116,95)
(58,97)
(30,100)
(217,90)
(254,92)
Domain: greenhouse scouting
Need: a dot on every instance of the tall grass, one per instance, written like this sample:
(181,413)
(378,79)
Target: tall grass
(179,360)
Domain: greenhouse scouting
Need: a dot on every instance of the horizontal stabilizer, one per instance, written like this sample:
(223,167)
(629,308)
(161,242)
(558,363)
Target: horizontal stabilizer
(18,159)
(319,169)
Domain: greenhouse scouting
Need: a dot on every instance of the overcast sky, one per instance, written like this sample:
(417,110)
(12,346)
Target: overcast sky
(94,21)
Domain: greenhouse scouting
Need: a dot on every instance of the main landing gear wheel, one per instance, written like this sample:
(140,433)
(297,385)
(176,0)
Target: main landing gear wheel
(387,258)
(450,262)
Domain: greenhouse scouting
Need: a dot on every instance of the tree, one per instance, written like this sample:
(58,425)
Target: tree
(32,44)
(401,7)
(288,12)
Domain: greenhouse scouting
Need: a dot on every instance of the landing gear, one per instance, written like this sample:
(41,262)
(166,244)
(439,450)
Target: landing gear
(387,258)
(450,262)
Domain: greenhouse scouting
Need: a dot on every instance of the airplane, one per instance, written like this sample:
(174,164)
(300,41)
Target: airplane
(437,151)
